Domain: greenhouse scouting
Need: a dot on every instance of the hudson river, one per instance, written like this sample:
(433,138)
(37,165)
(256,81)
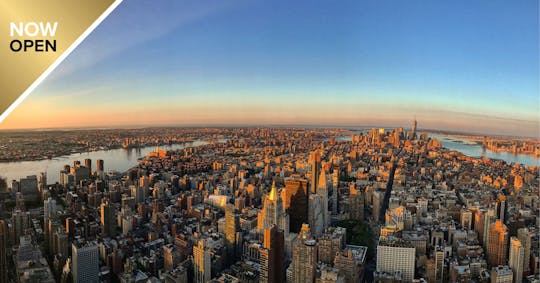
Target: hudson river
(114,159)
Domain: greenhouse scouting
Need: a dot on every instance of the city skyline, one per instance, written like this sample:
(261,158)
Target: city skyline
(457,66)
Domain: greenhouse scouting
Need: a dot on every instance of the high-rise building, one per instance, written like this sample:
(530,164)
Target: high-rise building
(271,256)
(331,242)
(322,190)
(202,262)
(85,262)
(350,262)
(356,203)
(378,198)
(49,210)
(438,255)
(3,251)
(396,255)
(315,214)
(516,259)
(525,236)
(100,167)
(501,274)
(108,224)
(489,218)
(273,213)
(88,164)
(500,207)
(315,161)
(335,197)
(232,232)
(497,250)
(414,125)
(295,202)
(304,260)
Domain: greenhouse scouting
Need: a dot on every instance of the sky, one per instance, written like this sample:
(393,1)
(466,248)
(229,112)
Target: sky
(469,66)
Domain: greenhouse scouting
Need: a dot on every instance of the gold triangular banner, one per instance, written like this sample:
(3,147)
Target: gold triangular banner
(35,36)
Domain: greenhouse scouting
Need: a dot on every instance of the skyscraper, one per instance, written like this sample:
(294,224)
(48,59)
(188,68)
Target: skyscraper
(322,190)
(304,264)
(497,250)
(100,167)
(315,161)
(295,202)
(394,254)
(108,225)
(85,262)
(524,236)
(273,213)
(500,207)
(356,203)
(335,197)
(88,164)
(3,252)
(201,262)
(516,259)
(271,256)
(232,234)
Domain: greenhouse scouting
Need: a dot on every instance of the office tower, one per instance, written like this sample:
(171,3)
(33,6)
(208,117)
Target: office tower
(356,203)
(88,164)
(273,213)
(138,193)
(516,259)
(350,262)
(439,264)
(335,197)
(304,260)
(3,251)
(500,207)
(315,161)
(49,211)
(108,225)
(42,181)
(413,129)
(100,167)
(295,202)
(232,232)
(378,198)
(315,214)
(501,274)
(21,222)
(396,255)
(497,244)
(201,262)
(525,236)
(271,256)
(490,217)
(322,190)
(331,242)
(85,260)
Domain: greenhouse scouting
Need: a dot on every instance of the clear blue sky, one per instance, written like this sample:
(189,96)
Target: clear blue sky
(456,65)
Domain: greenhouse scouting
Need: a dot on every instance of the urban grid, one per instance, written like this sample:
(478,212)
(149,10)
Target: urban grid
(255,204)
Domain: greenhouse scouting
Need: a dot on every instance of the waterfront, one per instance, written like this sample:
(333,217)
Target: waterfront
(473,149)
(114,159)
(123,159)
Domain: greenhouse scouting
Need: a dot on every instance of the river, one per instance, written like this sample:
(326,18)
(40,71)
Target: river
(114,159)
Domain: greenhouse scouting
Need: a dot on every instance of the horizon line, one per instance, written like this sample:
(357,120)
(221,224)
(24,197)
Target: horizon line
(263,125)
